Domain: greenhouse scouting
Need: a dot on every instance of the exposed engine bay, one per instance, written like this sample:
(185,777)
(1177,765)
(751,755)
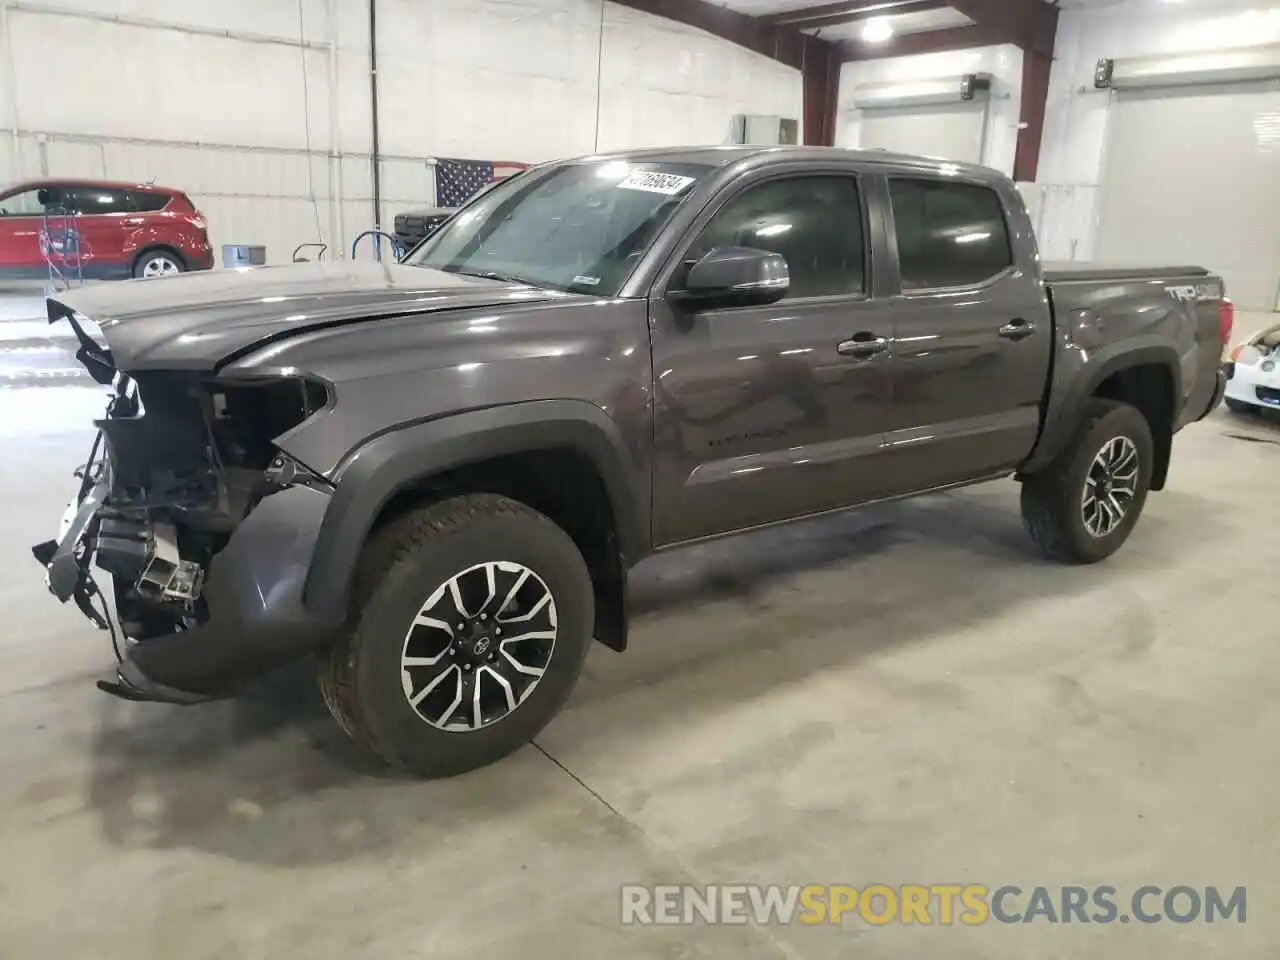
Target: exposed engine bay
(180,460)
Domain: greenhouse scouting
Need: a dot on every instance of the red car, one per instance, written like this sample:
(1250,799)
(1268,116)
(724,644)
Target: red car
(100,230)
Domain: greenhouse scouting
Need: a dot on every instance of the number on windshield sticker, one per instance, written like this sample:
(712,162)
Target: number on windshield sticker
(667,183)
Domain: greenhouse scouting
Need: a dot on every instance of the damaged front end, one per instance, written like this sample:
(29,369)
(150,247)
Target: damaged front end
(204,526)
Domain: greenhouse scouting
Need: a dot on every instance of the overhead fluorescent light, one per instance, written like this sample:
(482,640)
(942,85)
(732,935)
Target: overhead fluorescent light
(877,30)
(920,92)
(1219,65)
(774,230)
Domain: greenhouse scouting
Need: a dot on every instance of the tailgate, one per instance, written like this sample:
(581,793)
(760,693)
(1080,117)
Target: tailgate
(1213,316)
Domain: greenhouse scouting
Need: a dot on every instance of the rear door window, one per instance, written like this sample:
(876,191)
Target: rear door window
(949,234)
(96,200)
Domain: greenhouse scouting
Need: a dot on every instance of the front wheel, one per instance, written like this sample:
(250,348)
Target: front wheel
(471,621)
(1084,505)
(158,263)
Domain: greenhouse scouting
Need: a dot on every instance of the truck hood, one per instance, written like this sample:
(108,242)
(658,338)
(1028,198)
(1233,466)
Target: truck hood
(202,321)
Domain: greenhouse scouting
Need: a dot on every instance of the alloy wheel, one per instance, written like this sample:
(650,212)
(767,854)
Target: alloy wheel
(160,267)
(1110,487)
(479,646)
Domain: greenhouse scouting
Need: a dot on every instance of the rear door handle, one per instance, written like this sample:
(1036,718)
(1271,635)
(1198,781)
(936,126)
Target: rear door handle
(863,345)
(1017,329)
(134,222)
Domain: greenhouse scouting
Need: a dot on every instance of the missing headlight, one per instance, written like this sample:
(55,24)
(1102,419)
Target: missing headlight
(248,415)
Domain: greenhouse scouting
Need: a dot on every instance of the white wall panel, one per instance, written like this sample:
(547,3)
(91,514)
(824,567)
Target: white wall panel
(1062,215)
(267,18)
(949,131)
(1004,63)
(357,178)
(79,159)
(517,79)
(502,79)
(152,86)
(1078,119)
(409,180)
(665,83)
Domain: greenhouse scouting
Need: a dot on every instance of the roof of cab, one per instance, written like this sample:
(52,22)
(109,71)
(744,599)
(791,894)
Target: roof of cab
(720,156)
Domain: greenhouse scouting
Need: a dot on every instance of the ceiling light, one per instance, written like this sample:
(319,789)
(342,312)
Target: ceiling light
(774,230)
(878,30)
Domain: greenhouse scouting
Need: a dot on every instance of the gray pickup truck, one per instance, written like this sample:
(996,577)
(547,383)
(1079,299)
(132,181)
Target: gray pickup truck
(435,475)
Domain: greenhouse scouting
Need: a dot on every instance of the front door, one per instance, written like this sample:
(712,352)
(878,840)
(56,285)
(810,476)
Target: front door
(971,338)
(21,224)
(768,412)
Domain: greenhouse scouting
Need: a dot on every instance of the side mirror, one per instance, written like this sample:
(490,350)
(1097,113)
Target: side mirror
(736,276)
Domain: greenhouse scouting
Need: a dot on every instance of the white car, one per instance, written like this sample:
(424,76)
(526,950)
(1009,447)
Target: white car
(1253,375)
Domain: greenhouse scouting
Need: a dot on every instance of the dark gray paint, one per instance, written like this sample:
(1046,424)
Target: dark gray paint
(701,422)
(391,460)
(1069,271)
(1104,325)
(255,591)
(199,323)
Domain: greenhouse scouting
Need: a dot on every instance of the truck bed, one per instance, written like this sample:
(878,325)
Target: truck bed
(1123,293)
(1086,270)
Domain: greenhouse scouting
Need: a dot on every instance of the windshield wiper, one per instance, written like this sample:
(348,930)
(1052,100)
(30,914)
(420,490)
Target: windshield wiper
(503,277)
(495,275)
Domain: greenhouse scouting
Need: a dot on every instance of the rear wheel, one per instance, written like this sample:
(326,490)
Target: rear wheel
(158,263)
(1083,507)
(1239,406)
(471,621)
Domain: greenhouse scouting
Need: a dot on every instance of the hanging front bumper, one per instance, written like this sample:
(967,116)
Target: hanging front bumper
(252,593)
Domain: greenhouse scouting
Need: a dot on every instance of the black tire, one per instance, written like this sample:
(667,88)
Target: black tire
(401,567)
(1239,406)
(1052,500)
(149,259)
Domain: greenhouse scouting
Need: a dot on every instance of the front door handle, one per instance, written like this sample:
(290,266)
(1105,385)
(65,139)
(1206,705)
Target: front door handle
(1017,329)
(864,345)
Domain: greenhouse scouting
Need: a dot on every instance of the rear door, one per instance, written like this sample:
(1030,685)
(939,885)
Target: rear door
(104,217)
(763,413)
(972,337)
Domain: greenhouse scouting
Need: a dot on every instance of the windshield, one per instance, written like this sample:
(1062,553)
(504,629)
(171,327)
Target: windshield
(579,227)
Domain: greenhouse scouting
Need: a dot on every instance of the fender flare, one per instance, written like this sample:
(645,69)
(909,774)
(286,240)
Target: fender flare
(371,475)
(1061,424)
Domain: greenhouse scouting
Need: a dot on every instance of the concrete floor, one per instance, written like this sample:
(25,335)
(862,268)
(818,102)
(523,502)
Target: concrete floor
(903,695)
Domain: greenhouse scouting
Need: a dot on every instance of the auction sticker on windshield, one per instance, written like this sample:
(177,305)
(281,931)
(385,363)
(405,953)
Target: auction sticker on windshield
(668,183)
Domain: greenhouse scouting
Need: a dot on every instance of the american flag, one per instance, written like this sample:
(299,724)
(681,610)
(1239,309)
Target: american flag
(458,180)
